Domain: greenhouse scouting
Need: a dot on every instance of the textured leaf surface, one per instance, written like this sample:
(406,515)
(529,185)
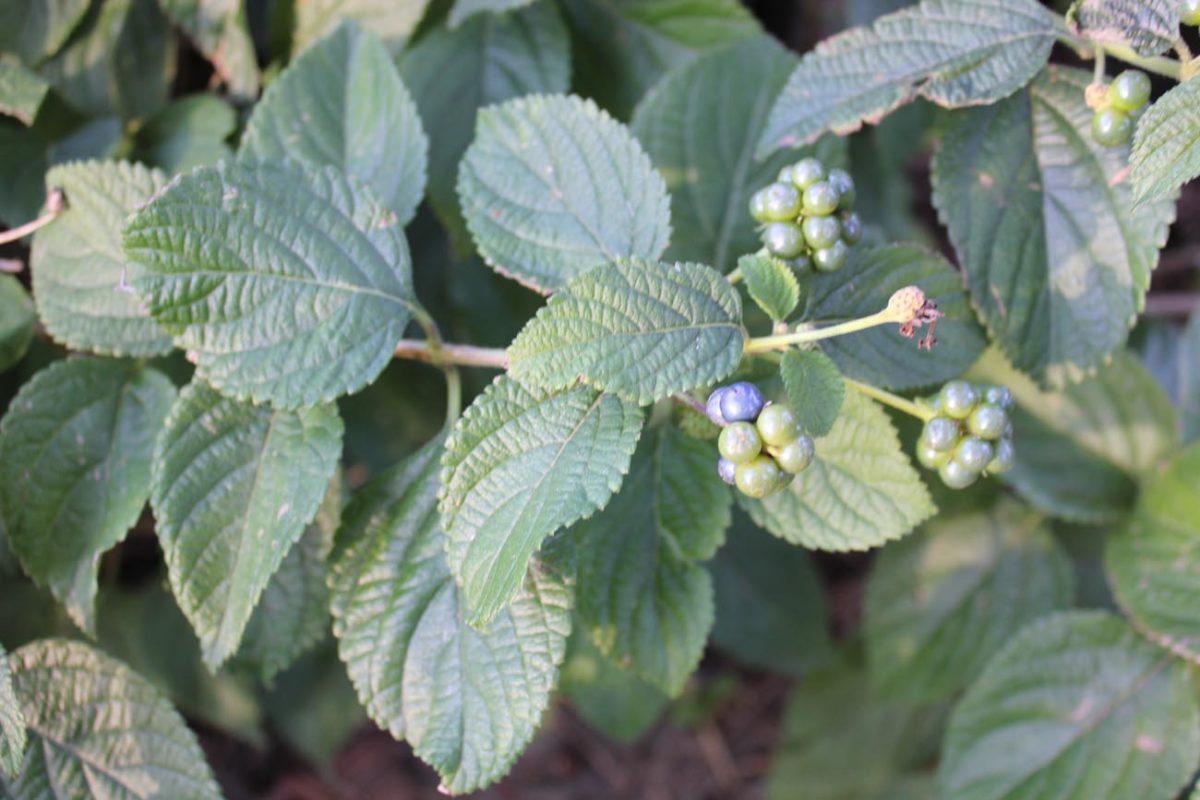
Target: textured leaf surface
(234,486)
(487,59)
(623,47)
(815,389)
(17,321)
(639,589)
(700,126)
(639,329)
(1056,259)
(75,453)
(1148,26)
(467,700)
(1152,563)
(342,104)
(881,356)
(553,186)
(97,729)
(12,723)
(1079,449)
(1076,706)
(952,52)
(81,277)
(612,700)
(771,284)
(941,603)
(21,92)
(859,492)
(1166,144)
(190,132)
(35,29)
(219,30)
(771,609)
(391,21)
(519,465)
(289,283)
(464,9)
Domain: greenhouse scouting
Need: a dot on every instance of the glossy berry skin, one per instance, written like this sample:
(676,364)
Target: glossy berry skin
(958,399)
(795,456)
(852,227)
(758,206)
(783,239)
(820,199)
(781,202)
(727,470)
(956,476)
(760,477)
(832,258)
(987,421)
(973,453)
(777,425)
(800,264)
(742,402)
(821,232)
(785,175)
(739,442)
(1189,12)
(1111,127)
(931,458)
(940,434)
(1003,460)
(806,172)
(840,180)
(1130,90)
(999,396)
(713,407)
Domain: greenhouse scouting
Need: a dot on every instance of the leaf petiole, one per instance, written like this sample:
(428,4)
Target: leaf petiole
(887,398)
(56,203)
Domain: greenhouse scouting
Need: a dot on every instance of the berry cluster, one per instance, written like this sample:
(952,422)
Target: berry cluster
(807,217)
(1113,122)
(761,445)
(971,434)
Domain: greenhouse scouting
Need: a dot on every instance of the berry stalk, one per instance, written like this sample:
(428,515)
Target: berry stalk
(56,203)
(908,308)
(897,402)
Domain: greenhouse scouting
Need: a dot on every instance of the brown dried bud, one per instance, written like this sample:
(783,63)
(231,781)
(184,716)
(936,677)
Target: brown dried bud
(912,309)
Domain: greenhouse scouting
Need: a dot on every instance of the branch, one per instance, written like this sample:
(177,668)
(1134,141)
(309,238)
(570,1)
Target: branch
(462,354)
(56,203)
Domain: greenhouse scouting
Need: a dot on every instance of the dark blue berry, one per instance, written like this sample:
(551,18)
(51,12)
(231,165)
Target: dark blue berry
(727,470)
(741,402)
(713,407)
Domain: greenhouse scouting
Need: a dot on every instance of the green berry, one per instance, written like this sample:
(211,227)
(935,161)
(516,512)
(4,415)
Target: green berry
(1130,90)
(840,180)
(958,399)
(806,172)
(852,227)
(987,421)
(777,425)
(739,442)
(759,477)
(784,239)
(795,456)
(1111,127)
(820,199)
(758,205)
(800,264)
(832,258)
(781,202)
(785,175)
(974,453)
(931,458)
(1189,12)
(940,434)
(999,396)
(956,476)
(821,232)
(1004,458)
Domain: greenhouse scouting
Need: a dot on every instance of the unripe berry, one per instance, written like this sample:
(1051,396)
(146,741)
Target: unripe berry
(958,399)
(1130,90)
(795,456)
(784,239)
(821,232)
(931,458)
(820,199)
(940,434)
(1111,127)
(760,477)
(987,421)
(777,425)
(956,476)
(1003,460)
(739,442)
(999,396)
(832,258)
(852,227)
(806,172)
(758,206)
(973,453)
(840,180)
(781,202)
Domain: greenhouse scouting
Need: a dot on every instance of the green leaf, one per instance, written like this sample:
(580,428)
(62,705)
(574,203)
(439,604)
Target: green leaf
(639,589)
(75,453)
(17,321)
(1166,144)
(22,92)
(467,700)
(190,132)
(881,356)
(391,21)
(292,615)
(612,700)
(859,492)
(771,284)
(623,47)
(234,487)
(97,729)
(1079,449)
(1150,27)
(12,723)
(219,30)
(1076,706)
(771,609)
(951,52)
(486,60)
(700,126)
(1056,260)
(815,389)
(1151,562)
(81,277)
(941,603)
(296,294)
(553,186)
(464,9)
(36,29)
(639,329)
(342,104)
(519,465)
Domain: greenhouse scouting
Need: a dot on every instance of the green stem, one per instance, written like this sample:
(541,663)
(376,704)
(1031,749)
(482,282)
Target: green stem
(453,393)
(444,353)
(1085,48)
(895,401)
(782,341)
(734,276)
(1098,73)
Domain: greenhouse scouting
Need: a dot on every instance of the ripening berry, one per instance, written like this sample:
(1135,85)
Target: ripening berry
(760,477)
(974,453)
(832,258)
(999,396)
(987,421)
(739,442)
(940,434)
(852,227)
(821,232)
(781,202)
(727,470)
(713,406)
(956,476)
(958,399)
(741,402)
(784,239)
(1130,90)
(1003,460)
(777,425)
(840,180)
(820,199)
(806,172)
(795,456)
(931,458)
(1111,127)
